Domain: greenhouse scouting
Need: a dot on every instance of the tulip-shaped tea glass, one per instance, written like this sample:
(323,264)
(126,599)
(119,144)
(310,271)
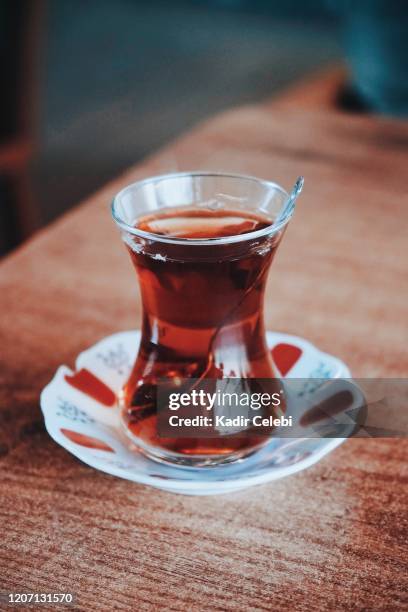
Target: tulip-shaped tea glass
(202,245)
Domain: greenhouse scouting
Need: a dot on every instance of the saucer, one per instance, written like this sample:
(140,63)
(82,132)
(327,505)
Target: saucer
(81,415)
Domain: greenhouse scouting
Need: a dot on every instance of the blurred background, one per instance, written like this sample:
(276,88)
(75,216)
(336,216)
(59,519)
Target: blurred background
(90,87)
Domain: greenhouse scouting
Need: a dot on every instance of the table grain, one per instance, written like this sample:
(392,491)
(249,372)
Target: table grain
(330,538)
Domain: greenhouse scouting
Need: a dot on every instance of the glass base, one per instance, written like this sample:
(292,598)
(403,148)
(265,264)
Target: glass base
(191,461)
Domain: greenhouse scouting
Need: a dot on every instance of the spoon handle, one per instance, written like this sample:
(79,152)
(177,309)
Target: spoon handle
(289,205)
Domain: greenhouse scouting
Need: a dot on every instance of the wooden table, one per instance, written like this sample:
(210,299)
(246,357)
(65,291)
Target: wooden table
(329,538)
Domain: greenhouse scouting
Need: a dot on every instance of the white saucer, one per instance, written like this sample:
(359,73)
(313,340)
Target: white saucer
(89,428)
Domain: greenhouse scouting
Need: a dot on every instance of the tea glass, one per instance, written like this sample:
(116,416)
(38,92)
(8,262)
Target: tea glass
(202,301)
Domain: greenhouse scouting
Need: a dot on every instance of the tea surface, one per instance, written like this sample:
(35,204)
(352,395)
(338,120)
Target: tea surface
(202,222)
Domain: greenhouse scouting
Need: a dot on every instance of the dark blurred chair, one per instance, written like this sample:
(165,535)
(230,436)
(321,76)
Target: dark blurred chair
(20,25)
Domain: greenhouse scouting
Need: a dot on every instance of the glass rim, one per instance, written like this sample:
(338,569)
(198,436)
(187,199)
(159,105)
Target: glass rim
(273,228)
